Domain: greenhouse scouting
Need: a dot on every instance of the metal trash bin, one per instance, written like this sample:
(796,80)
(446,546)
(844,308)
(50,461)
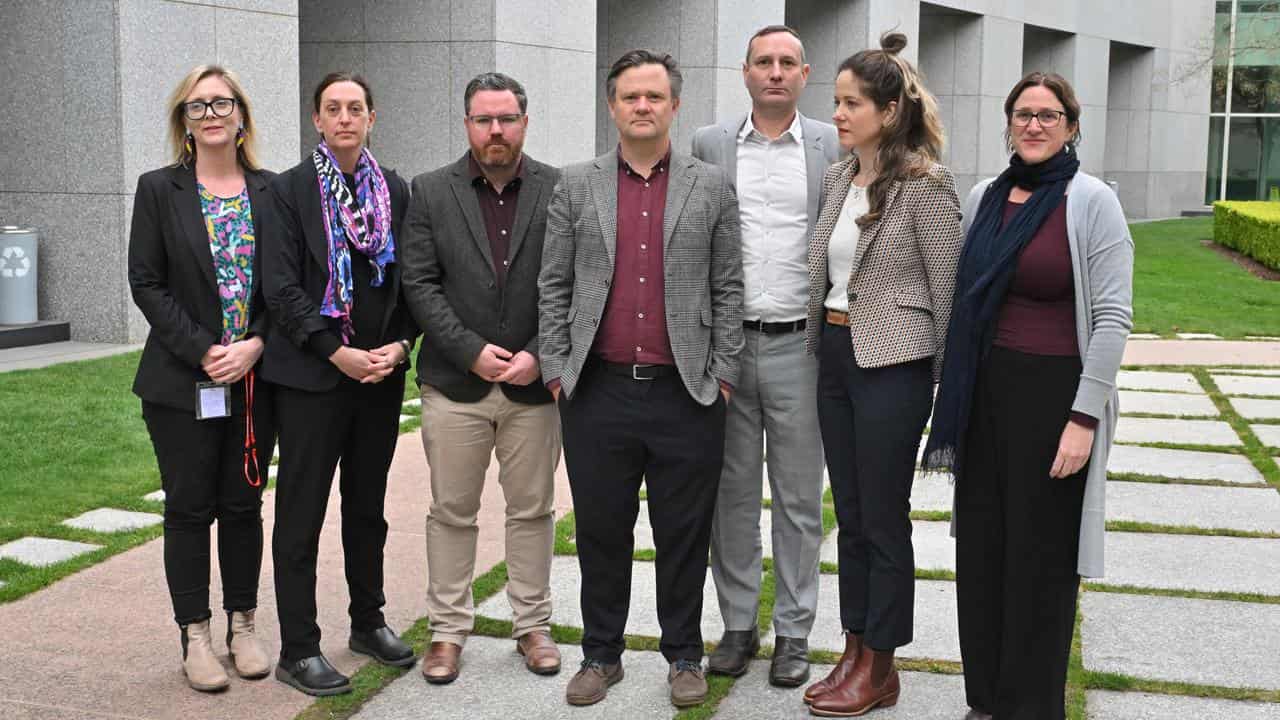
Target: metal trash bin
(17,275)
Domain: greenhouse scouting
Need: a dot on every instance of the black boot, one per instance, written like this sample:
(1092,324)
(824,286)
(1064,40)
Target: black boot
(790,667)
(382,645)
(734,652)
(313,676)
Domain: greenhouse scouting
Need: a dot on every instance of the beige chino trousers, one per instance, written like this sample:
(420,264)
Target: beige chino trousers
(459,439)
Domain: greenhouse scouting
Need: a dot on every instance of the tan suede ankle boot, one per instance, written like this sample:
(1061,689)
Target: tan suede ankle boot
(246,649)
(199,662)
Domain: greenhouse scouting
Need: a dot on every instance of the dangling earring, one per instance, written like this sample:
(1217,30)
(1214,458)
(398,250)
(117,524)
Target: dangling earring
(240,136)
(189,145)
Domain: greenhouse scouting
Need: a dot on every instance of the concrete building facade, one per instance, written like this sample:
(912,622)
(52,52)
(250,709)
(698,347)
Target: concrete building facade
(88,80)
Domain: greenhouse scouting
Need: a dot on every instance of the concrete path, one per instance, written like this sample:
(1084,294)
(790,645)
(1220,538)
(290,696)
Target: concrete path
(38,356)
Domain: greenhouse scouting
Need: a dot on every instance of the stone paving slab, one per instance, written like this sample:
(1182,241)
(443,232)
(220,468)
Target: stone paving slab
(1109,705)
(935,620)
(925,696)
(109,520)
(1256,408)
(157,496)
(1193,562)
(1144,336)
(644,531)
(935,549)
(1268,435)
(1250,371)
(1202,506)
(43,552)
(1147,636)
(1154,380)
(1211,354)
(566,583)
(407,418)
(931,492)
(1247,385)
(1198,336)
(1181,432)
(1158,403)
(492,683)
(412,403)
(1188,464)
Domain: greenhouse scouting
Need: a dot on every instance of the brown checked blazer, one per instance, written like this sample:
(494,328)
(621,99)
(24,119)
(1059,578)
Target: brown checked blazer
(904,268)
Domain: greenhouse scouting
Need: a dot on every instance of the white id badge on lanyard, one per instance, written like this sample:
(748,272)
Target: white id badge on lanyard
(213,400)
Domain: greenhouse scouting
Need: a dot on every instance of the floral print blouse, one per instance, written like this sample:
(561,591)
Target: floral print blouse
(231,242)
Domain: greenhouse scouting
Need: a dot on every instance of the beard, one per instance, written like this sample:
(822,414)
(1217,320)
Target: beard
(498,154)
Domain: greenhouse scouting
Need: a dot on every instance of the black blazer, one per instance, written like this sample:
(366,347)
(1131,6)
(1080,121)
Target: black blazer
(171,276)
(296,271)
(450,284)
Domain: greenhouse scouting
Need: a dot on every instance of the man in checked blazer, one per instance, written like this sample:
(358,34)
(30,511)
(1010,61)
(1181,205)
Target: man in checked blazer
(778,158)
(641,325)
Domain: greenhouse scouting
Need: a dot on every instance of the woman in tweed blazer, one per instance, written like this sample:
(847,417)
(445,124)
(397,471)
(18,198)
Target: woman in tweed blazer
(882,264)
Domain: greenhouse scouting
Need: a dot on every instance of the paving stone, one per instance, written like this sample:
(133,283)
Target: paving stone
(43,552)
(931,492)
(412,403)
(1251,371)
(566,581)
(273,471)
(1158,403)
(407,418)
(935,549)
(644,530)
(108,520)
(492,683)
(1198,336)
(1193,562)
(1109,705)
(1270,338)
(157,496)
(935,620)
(1247,384)
(1146,636)
(1188,464)
(1256,408)
(1268,435)
(1144,336)
(926,696)
(1182,432)
(1202,506)
(1155,380)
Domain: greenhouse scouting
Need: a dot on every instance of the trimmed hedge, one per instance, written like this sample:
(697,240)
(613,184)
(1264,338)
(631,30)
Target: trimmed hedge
(1251,228)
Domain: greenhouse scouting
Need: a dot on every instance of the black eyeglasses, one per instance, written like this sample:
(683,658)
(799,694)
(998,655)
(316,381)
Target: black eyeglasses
(220,107)
(485,121)
(1047,118)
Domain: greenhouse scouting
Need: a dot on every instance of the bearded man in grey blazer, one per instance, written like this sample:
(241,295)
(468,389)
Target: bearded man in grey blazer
(640,304)
(778,158)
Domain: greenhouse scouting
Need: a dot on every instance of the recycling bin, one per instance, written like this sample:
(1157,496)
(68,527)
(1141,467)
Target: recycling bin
(17,275)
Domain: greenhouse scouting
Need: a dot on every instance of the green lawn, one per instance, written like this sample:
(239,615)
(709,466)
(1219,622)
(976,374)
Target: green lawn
(1181,286)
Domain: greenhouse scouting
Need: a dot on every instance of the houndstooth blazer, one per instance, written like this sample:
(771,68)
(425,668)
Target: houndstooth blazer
(904,268)
(702,266)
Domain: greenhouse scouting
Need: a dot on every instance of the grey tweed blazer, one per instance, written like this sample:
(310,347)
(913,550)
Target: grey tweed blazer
(702,258)
(904,268)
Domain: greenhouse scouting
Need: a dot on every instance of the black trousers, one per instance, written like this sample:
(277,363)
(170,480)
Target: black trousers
(1017,538)
(356,425)
(202,472)
(617,432)
(871,421)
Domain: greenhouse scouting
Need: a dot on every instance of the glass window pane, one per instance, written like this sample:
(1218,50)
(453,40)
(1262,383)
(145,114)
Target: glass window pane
(1213,171)
(1256,77)
(1253,163)
(1221,50)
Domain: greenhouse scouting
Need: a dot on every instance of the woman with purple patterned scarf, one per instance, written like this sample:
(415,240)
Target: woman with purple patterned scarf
(338,360)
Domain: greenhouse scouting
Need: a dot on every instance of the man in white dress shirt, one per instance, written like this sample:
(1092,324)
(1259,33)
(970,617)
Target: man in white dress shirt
(777,158)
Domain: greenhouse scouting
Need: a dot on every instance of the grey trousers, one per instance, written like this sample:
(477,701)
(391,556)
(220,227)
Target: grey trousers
(776,397)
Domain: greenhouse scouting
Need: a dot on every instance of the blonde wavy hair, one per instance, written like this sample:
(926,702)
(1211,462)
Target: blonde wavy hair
(246,153)
(913,137)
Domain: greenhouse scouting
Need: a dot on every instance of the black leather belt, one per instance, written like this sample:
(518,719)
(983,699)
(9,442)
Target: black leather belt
(775,328)
(638,372)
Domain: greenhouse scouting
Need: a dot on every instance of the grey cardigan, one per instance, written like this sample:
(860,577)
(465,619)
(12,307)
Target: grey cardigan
(1102,265)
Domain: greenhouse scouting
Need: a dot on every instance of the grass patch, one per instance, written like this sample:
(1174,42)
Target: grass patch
(1143,527)
(1181,286)
(1076,693)
(1095,680)
(1253,449)
(1190,594)
(931,515)
(1161,480)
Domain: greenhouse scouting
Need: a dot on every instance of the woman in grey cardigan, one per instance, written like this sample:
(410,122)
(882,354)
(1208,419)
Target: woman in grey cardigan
(1027,407)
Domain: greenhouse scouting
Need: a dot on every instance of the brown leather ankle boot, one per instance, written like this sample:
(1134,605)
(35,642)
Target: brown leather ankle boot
(873,683)
(852,647)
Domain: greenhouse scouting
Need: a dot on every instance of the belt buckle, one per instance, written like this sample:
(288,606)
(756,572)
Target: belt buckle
(635,369)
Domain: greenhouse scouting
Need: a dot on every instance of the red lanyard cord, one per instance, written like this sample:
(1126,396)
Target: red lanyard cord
(252,471)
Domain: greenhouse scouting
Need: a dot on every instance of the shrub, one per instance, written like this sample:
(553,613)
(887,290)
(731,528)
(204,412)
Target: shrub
(1251,228)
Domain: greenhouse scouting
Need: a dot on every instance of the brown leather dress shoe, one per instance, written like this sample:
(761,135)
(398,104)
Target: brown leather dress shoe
(541,655)
(852,648)
(592,682)
(873,683)
(440,666)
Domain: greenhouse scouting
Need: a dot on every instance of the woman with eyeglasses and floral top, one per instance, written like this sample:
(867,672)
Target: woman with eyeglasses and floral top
(338,360)
(1027,408)
(195,273)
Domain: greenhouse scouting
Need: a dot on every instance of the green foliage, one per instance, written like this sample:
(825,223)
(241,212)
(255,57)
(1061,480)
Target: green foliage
(1251,228)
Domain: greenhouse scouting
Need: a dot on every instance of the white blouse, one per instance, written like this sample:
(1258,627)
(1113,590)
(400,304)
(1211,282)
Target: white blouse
(844,241)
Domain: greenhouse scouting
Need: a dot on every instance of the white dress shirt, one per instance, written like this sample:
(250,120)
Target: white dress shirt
(844,242)
(773,194)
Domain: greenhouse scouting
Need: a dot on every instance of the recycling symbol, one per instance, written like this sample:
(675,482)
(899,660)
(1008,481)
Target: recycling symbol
(14,263)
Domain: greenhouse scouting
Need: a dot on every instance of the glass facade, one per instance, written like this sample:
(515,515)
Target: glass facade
(1244,126)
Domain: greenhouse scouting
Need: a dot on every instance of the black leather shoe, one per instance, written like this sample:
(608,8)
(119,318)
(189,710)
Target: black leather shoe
(734,653)
(313,676)
(382,645)
(790,666)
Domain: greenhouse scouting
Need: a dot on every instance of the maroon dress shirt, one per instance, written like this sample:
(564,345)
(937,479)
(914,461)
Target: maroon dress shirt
(634,327)
(499,212)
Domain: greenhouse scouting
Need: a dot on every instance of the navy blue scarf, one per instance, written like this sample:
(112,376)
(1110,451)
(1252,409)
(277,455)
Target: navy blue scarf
(986,269)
